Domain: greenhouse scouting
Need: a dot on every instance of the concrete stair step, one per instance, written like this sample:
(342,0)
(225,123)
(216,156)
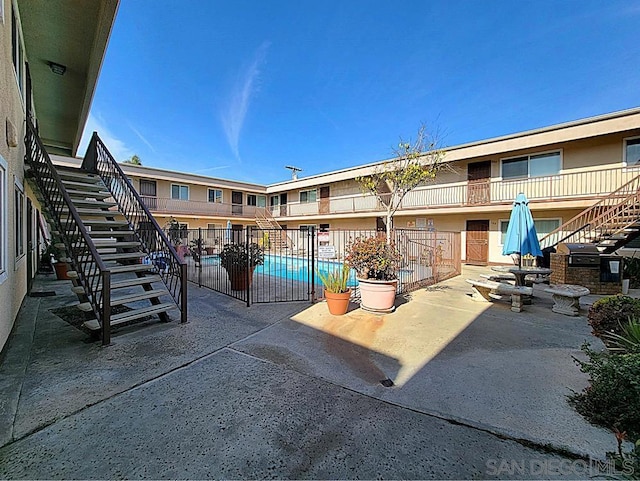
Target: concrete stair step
(105,223)
(132,315)
(82,194)
(78,176)
(117,301)
(110,233)
(136,281)
(122,255)
(130,268)
(112,244)
(84,186)
(94,203)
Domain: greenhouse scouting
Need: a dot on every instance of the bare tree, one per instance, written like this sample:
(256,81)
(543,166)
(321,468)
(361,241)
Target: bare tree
(414,164)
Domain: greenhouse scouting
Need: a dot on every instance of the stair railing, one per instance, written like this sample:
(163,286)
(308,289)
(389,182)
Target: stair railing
(596,220)
(263,214)
(93,275)
(153,239)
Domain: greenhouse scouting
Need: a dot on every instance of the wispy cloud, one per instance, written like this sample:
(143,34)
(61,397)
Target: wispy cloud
(142,137)
(117,147)
(243,90)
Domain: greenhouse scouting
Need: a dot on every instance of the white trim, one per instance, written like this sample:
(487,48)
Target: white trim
(624,150)
(528,156)
(2,17)
(4,215)
(22,58)
(209,189)
(19,256)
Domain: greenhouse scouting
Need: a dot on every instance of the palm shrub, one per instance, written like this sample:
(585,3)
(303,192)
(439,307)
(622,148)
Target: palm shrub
(627,341)
(336,281)
(607,314)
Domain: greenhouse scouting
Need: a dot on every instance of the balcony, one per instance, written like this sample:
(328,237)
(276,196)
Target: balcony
(587,184)
(160,205)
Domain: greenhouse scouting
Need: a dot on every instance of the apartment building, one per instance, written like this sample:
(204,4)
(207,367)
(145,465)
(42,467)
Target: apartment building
(48,71)
(563,169)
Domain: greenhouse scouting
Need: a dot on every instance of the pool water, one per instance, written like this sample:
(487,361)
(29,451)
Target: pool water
(294,268)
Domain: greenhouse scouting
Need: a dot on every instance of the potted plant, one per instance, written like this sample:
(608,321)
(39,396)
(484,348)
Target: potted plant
(336,291)
(376,263)
(240,260)
(46,257)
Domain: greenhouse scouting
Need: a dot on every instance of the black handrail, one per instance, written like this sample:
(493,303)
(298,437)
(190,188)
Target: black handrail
(153,239)
(79,246)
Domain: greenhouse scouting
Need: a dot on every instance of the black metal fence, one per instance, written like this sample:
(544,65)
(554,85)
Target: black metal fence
(225,260)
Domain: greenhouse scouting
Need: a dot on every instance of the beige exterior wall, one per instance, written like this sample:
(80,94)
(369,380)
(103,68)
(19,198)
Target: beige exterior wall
(12,110)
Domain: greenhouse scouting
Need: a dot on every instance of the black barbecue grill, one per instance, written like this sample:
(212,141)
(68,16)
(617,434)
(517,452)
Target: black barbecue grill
(581,255)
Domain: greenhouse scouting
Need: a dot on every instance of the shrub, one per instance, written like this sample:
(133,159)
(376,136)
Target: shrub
(239,256)
(609,313)
(613,398)
(631,271)
(373,258)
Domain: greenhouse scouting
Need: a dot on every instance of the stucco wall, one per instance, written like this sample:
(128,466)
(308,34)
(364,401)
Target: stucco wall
(13,289)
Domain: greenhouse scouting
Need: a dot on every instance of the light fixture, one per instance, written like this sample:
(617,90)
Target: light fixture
(57,68)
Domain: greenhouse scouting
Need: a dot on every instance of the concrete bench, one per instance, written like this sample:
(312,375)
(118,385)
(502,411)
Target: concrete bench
(504,278)
(486,290)
(566,298)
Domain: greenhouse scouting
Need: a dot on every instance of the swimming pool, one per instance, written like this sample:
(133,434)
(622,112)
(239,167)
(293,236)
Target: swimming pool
(293,268)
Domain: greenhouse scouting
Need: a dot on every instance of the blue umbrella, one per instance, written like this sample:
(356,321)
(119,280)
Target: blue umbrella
(521,235)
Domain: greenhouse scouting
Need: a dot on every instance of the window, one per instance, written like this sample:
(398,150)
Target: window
(274,200)
(215,195)
(184,232)
(632,151)
(180,192)
(4,214)
(148,188)
(535,165)
(304,230)
(17,52)
(307,196)
(19,218)
(543,227)
(215,232)
(257,200)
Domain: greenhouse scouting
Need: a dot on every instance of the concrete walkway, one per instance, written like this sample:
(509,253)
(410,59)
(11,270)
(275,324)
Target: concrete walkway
(289,391)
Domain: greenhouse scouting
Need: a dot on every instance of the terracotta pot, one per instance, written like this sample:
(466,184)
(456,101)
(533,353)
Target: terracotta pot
(238,279)
(377,296)
(61,271)
(337,302)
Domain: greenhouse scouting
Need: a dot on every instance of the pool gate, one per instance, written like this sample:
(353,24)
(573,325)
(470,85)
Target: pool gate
(281,265)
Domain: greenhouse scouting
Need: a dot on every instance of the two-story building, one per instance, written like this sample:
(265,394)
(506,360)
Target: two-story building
(562,169)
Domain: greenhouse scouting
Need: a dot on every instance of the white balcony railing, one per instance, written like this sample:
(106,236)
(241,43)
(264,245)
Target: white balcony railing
(175,206)
(565,186)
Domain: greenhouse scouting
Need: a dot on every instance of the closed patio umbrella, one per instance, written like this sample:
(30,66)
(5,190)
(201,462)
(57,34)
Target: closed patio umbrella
(521,237)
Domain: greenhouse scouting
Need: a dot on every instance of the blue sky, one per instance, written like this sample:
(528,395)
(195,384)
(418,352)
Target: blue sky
(239,89)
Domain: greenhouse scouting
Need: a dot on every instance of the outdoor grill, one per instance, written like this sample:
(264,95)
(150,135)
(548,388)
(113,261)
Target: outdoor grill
(581,255)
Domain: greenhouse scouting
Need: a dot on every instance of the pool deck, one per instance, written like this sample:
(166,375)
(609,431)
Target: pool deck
(289,391)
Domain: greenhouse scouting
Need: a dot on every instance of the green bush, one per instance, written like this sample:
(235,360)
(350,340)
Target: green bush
(610,313)
(631,271)
(627,341)
(613,398)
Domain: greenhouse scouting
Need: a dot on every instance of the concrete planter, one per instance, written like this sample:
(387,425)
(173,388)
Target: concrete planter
(377,296)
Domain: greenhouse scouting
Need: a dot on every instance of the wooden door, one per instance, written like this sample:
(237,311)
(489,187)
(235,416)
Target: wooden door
(324,200)
(477,242)
(478,187)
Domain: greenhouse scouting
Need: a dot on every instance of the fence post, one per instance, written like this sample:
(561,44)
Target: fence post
(199,256)
(248,274)
(312,235)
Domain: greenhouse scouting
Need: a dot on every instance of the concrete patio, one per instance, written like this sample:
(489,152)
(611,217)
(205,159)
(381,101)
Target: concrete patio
(289,391)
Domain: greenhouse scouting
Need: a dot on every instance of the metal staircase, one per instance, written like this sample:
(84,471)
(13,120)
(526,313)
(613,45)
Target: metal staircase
(609,224)
(106,231)
(265,221)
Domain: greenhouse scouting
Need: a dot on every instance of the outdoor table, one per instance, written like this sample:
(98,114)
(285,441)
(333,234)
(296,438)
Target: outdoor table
(521,272)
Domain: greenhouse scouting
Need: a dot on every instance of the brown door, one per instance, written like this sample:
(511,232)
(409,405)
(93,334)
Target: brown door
(324,200)
(477,242)
(478,175)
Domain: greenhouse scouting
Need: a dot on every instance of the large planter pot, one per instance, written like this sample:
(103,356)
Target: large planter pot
(338,302)
(377,296)
(238,278)
(61,269)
